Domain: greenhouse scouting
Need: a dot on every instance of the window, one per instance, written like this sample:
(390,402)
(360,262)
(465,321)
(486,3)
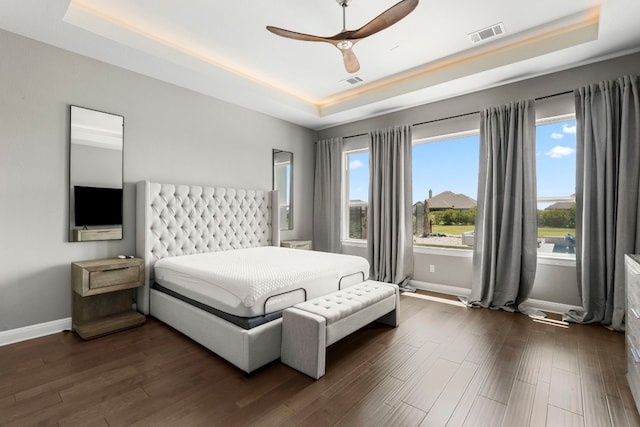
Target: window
(445,185)
(556,179)
(357,176)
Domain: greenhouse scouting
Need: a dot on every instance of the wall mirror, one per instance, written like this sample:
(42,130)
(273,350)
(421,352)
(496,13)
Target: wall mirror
(283,182)
(95,175)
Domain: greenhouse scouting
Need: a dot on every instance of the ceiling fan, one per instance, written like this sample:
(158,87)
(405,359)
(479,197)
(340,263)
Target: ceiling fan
(347,38)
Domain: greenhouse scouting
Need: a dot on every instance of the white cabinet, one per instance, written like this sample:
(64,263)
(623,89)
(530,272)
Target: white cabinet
(632,327)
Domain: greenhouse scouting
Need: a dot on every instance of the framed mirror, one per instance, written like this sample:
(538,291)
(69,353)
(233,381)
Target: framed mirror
(95,175)
(283,182)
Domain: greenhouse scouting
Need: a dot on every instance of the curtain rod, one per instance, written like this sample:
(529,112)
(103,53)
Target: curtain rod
(466,114)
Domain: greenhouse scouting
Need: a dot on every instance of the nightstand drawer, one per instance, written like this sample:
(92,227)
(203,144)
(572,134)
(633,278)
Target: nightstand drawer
(106,275)
(116,276)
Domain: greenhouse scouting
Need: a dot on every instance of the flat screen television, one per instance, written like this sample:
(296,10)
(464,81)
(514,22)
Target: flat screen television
(97,206)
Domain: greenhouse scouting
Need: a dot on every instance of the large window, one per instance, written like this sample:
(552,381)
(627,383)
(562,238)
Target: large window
(445,182)
(556,177)
(445,185)
(358,194)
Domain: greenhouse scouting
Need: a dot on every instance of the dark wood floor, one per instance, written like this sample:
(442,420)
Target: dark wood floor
(444,365)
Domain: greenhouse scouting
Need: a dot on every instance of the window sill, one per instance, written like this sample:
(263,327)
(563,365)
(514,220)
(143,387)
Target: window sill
(435,250)
(561,260)
(543,259)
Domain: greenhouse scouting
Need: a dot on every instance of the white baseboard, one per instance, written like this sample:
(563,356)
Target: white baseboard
(39,330)
(550,306)
(34,331)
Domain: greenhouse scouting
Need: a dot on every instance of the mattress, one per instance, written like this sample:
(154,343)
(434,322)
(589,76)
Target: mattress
(257,281)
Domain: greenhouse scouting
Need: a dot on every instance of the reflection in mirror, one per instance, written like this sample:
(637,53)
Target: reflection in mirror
(95,175)
(282,181)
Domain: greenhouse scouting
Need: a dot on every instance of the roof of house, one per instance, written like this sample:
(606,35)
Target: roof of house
(560,205)
(451,200)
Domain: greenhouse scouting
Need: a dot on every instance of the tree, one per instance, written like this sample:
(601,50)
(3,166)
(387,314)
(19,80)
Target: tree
(448,217)
(560,218)
(468,216)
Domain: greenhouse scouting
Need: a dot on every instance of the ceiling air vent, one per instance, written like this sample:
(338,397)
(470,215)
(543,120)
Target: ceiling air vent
(487,33)
(353,80)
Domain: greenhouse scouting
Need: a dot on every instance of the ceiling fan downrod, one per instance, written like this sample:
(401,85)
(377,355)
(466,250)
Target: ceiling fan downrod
(344,44)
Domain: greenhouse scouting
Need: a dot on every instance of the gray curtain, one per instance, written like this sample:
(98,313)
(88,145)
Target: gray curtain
(607,183)
(327,192)
(389,221)
(505,251)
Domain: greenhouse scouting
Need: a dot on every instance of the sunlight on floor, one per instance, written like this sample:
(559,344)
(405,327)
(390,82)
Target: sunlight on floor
(539,319)
(552,322)
(436,299)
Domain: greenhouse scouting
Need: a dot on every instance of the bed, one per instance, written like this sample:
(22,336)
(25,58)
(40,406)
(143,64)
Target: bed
(216,273)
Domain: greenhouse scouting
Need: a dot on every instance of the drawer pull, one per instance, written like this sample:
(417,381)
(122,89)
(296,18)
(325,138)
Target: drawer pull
(634,353)
(124,268)
(636,313)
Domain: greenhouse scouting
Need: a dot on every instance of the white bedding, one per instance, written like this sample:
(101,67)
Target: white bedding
(240,282)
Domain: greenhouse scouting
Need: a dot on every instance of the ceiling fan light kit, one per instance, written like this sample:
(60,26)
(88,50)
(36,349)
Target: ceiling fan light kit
(344,44)
(346,39)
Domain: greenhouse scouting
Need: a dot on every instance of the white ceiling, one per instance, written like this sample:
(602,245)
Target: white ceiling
(222,49)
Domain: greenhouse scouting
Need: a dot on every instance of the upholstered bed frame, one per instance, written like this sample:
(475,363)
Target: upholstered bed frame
(177,220)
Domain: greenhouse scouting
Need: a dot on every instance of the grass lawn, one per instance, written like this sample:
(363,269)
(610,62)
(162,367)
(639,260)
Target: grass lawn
(459,229)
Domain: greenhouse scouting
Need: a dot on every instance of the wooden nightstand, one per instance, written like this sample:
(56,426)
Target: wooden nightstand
(297,244)
(102,295)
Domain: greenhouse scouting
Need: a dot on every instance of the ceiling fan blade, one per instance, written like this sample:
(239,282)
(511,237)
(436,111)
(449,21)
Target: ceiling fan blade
(385,19)
(297,36)
(351,63)
(345,40)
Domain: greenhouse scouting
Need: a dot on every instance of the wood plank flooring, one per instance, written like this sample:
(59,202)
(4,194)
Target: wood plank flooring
(444,366)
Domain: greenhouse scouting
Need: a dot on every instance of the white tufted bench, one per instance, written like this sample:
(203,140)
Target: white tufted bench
(310,327)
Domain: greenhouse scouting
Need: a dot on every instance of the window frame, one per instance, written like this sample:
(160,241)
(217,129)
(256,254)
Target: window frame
(543,258)
(544,199)
(346,197)
(448,250)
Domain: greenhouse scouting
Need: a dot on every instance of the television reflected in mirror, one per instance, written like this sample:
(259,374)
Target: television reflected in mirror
(95,175)
(283,182)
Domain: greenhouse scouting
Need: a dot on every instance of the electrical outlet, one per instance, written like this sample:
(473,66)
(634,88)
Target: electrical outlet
(432,268)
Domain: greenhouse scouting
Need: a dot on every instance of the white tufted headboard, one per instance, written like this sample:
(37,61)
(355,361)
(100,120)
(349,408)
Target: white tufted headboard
(174,220)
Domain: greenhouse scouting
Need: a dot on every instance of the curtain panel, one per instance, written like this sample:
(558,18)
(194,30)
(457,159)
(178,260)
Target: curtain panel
(389,221)
(505,251)
(327,195)
(607,199)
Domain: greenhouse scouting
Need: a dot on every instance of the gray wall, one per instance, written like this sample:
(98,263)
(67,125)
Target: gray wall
(171,135)
(533,88)
(555,281)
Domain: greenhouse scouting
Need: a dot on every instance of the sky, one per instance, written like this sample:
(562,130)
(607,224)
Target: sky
(452,165)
